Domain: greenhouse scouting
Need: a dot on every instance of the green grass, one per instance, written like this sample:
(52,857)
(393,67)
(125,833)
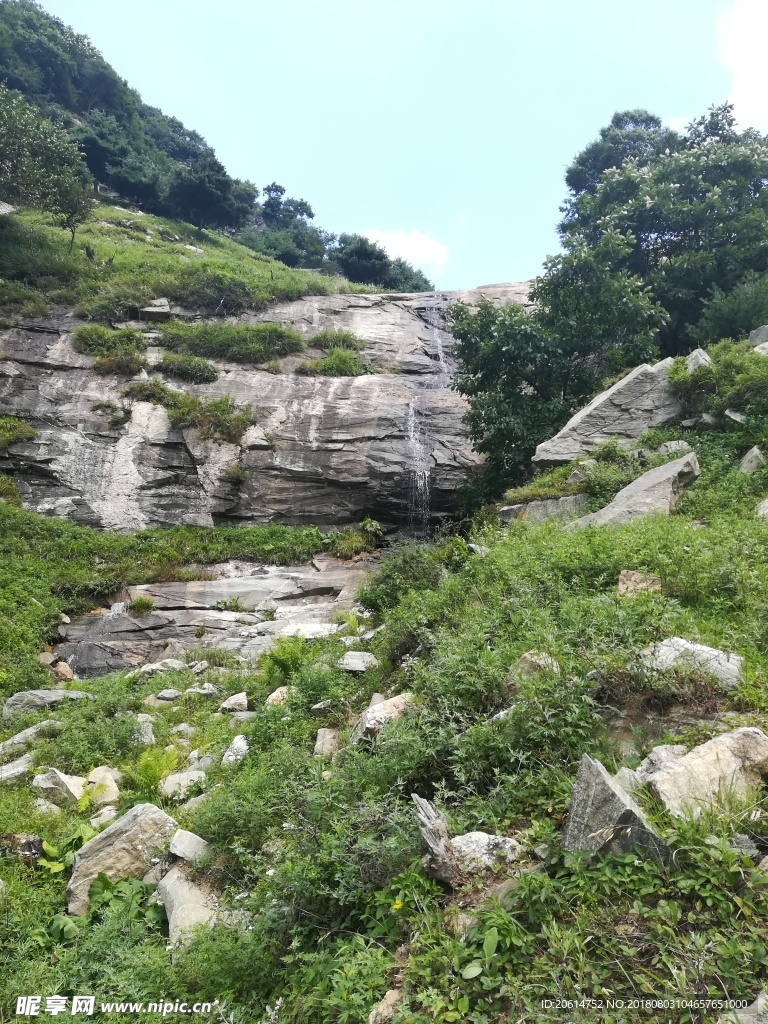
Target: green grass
(329,339)
(191,368)
(13,431)
(149,259)
(240,343)
(340,362)
(215,418)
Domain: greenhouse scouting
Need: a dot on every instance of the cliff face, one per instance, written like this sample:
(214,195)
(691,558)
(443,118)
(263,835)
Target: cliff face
(324,450)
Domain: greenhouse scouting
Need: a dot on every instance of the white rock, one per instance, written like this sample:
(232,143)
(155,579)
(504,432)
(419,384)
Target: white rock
(146,735)
(177,784)
(105,814)
(696,359)
(762,509)
(237,702)
(479,851)
(674,652)
(123,850)
(102,787)
(752,461)
(375,718)
(236,751)
(15,770)
(195,801)
(278,696)
(169,695)
(166,665)
(326,743)
(672,447)
(45,806)
(187,905)
(61,789)
(189,846)
(762,350)
(534,661)
(357,661)
(735,416)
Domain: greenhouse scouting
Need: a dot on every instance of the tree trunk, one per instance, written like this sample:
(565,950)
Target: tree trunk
(440,860)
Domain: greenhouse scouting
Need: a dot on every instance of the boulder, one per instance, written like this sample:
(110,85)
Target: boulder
(595,816)
(169,695)
(326,743)
(146,735)
(188,846)
(43,806)
(37,700)
(123,850)
(762,350)
(533,662)
(177,784)
(278,696)
(735,416)
(548,508)
(63,672)
(236,751)
(15,770)
(696,359)
(105,814)
(357,661)
(375,718)
(61,789)
(759,336)
(632,582)
(26,736)
(237,702)
(187,905)
(656,491)
(639,401)
(102,786)
(752,461)
(166,665)
(385,1011)
(679,653)
(479,851)
(729,764)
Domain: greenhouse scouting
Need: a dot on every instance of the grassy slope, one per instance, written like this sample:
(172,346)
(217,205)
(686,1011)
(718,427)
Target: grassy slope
(328,868)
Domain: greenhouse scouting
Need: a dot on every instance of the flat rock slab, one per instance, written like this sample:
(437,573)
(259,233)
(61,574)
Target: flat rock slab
(15,770)
(357,661)
(37,700)
(550,508)
(639,401)
(188,846)
(327,742)
(187,905)
(728,765)
(58,787)
(656,491)
(677,652)
(123,850)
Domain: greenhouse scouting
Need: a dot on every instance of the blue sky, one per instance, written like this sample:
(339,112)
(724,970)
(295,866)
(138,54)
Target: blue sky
(442,127)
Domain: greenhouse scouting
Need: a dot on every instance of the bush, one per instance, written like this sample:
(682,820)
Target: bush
(216,418)
(734,314)
(121,364)
(191,368)
(141,605)
(94,340)
(340,362)
(13,431)
(329,339)
(9,492)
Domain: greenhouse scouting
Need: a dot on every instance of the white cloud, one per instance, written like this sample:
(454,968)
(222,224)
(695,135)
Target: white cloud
(678,124)
(421,250)
(742,29)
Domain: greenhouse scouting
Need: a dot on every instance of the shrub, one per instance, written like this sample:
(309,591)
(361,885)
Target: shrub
(19,298)
(141,605)
(191,368)
(121,364)
(241,343)
(95,340)
(330,339)
(340,362)
(13,431)
(734,314)
(9,492)
(217,418)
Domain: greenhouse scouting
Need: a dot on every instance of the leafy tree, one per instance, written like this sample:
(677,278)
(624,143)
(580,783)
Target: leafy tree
(205,195)
(73,207)
(361,259)
(526,370)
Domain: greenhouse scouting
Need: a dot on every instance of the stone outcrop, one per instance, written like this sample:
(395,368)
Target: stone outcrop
(639,401)
(677,652)
(37,700)
(656,491)
(376,716)
(59,788)
(123,850)
(15,770)
(27,736)
(325,450)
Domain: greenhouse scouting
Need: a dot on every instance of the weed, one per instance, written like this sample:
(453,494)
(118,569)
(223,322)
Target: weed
(191,368)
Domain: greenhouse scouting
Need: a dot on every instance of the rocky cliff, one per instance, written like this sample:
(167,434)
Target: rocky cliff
(326,450)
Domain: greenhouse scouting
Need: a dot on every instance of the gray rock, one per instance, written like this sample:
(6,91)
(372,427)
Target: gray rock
(195,801)
(183,729)
(37,700)
(674,448)
(752,461)
(166,665)
(61,789)
(326,743)
(27,736)
(237,702)
(677,652)
(755,1013)
(550,508)
(43,806)
(15,770)
(597,805)
(728,765)
(735,416)
(656,491)
(762,350)
(187,905)
(177,784)
(188,846)
(105,814)
(639,401)
(762,509)
(169,695)
(759,336)
(375,718)
(533,662)
(238,717)
(478,549)
(696,359)
(357,661)
(236,751)
(102,787)
(479,851)
(123,850)
(146,734)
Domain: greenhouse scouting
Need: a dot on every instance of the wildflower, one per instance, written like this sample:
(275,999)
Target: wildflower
(397,905)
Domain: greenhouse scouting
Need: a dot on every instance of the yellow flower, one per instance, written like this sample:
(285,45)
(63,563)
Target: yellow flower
(397,904)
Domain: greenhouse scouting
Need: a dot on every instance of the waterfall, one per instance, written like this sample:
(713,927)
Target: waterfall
(418,484)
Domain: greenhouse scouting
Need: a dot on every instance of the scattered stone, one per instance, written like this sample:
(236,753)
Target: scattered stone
(656,491)
(186,904)
(123,850)
(242,716)
(357,661)
(146,734)
(236,751)
(632,582)
(105,814)
(61,789)
(198,666)
(46,659)
(677,652)
(375,718)
(479,851)
(534,661)
(183,729)
(595,819)
(755,1013)
(169,695)
(321,709)
(729,764)
(752,461)
(327,742)
(37,700)
(501,715)
(657,758)
(745,845)
(640,400)
(26,736)
(43,806)
(385,1011)
(63,672)
(166,665)
(628,780)
(734,416)
(759,336)
(762,509)
(478,549)
(102,787)
(15,770)
(189,846)
(205,690)
(696,359)
(672,447)
(278,696)
(194,802)
(177,784)
(237,702)
(152,702)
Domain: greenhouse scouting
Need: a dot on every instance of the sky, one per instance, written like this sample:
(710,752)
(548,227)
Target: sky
(440,128)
